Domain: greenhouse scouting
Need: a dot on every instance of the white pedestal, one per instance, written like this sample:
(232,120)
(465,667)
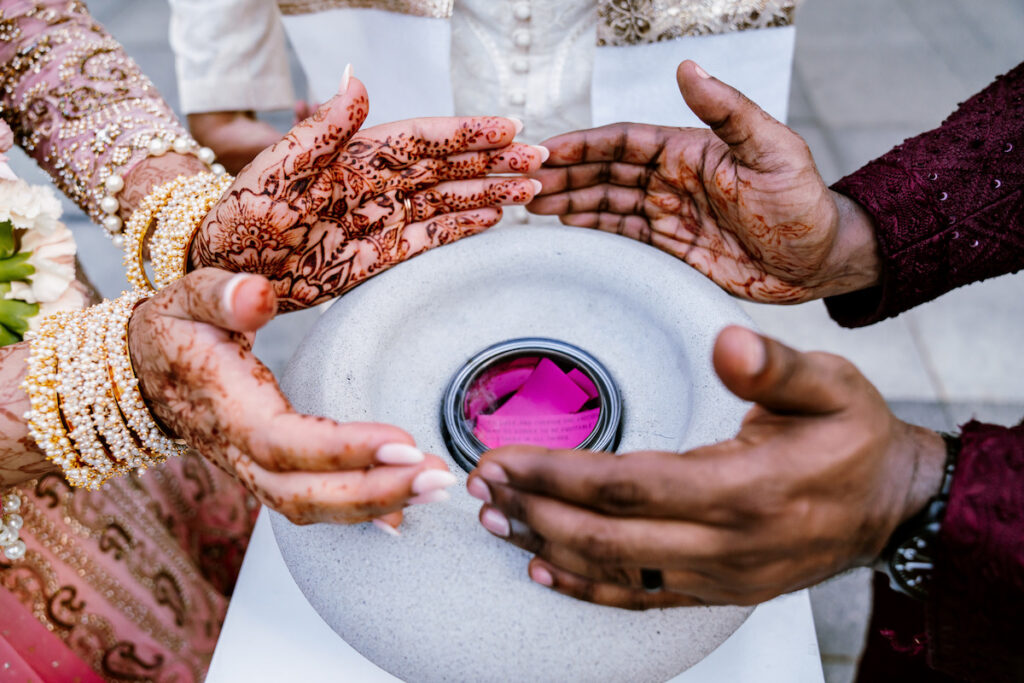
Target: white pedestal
(272,634)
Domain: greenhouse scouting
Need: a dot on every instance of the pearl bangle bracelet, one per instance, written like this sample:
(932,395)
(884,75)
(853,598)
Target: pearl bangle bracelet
(88,415)
(10,527)
(158,146)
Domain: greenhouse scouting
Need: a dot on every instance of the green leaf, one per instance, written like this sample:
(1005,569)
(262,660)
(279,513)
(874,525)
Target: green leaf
(6,239)
(14,314)
(8,337)
(16,267)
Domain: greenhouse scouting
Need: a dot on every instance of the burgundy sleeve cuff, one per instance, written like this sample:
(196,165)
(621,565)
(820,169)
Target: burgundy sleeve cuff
(948,205)
(975,611)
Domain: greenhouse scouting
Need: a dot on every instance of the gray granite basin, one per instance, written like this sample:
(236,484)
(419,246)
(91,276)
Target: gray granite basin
(447,601)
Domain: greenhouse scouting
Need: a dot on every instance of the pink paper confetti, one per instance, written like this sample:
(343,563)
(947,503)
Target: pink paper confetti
(550,431)
(547,391)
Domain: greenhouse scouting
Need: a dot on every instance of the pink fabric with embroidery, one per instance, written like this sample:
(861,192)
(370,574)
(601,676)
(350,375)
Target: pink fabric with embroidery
(128,583)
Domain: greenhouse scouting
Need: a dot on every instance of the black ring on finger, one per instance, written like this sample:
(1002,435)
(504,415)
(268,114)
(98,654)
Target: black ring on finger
(652,580)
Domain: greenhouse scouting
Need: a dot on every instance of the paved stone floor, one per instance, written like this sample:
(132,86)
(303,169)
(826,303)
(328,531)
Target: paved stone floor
(867,75)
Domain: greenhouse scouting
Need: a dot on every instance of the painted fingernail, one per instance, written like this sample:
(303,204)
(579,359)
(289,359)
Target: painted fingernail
(700,72)
(432,480)
(542,576)
(227,302)
(537,187)
(496,523)
(754,356)
(399,454)
(436,496)
(544,152)
(517,123)
(346,77)
(387,528)
(492,472)
(478,488)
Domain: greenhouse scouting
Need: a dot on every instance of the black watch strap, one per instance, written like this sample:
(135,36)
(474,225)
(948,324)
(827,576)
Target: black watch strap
(909,557)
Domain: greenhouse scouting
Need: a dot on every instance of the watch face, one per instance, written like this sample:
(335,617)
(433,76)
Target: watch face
(911,564)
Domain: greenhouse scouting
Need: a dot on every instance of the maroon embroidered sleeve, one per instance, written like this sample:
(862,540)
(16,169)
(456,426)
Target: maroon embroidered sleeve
(975,613)
(948,205)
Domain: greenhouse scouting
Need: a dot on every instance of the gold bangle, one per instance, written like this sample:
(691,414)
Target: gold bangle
(87,413)
(44,421)
(138,228)
(179,220)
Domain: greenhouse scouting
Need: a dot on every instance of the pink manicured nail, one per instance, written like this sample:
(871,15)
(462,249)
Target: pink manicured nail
(496,523)
(346,77)
(436,496)
(479,489)
(387,528)
(542,576)
(492,472)
(700,72)
(537,187)
(432,480)
(545,153)
(227,302)
(517,123)
(399,454)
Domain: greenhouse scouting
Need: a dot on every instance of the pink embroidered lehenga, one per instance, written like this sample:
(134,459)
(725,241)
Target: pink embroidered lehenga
(128,583)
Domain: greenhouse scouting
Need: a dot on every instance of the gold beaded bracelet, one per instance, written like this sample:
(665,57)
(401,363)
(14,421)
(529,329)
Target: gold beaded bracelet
(154,144)
(177,208)
(10,527)
(178,221)
(87,413)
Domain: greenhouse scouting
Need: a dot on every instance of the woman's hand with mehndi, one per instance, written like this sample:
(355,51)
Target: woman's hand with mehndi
(328,207)
(190,346)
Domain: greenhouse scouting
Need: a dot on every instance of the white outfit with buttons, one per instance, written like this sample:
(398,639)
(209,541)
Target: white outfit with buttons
(536,60)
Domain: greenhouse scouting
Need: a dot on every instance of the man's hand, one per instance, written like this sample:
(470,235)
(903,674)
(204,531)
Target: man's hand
(743,203)
(814,483)
(237,137)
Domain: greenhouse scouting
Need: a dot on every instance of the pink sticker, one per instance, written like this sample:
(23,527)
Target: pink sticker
(583,382)
(550,431)
(497,383)
(547,391)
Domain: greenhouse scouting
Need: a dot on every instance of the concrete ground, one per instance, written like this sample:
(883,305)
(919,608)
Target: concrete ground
(868,74)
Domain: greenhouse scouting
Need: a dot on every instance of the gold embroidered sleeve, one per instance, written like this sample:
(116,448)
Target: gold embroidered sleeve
(76,102)
(634,22)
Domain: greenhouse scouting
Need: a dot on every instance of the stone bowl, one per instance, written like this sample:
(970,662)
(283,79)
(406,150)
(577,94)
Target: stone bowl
(447,601)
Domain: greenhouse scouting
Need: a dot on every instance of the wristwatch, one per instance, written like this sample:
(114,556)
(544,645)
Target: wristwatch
(908,558)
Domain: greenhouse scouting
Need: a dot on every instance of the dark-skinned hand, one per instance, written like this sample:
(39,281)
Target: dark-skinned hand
(814,483)
(743,202)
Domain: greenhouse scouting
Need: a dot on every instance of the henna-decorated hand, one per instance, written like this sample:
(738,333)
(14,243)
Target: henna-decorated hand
(742,203)
(324,209)
(190,345)
(814,483)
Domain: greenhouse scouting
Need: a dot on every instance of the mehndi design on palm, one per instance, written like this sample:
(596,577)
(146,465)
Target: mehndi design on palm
(326,207)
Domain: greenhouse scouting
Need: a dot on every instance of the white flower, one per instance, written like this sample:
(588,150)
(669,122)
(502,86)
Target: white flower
(74,298)
(29,207)
(34,213)
(53,257)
